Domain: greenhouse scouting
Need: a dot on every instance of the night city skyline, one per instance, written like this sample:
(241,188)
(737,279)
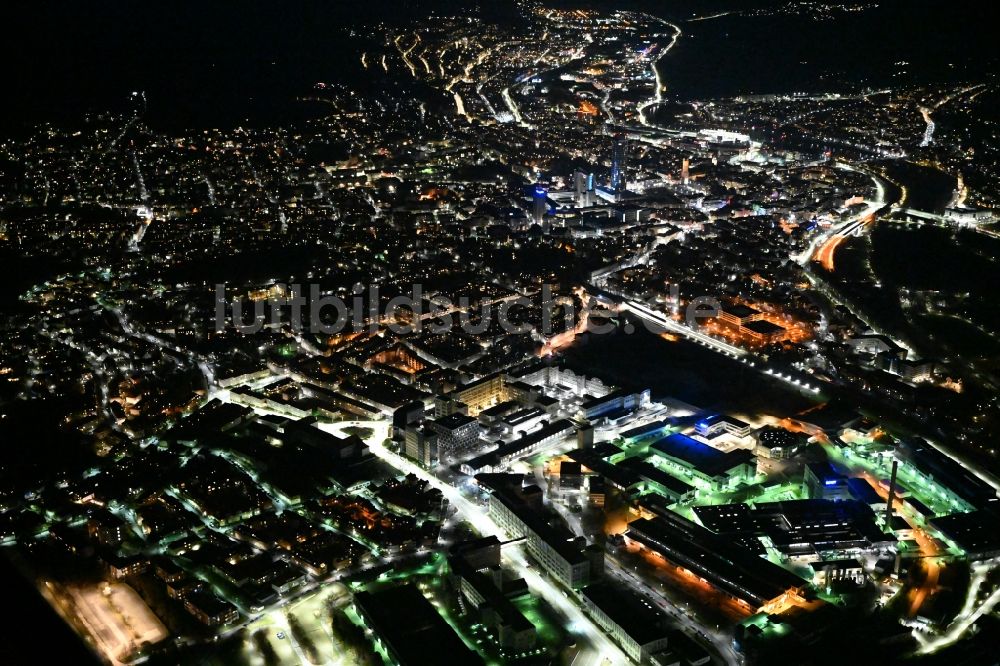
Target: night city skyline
(418,332)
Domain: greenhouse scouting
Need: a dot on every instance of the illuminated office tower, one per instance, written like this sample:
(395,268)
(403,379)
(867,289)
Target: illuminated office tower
(584,187)
(619,163)
(539,201)
(685,167)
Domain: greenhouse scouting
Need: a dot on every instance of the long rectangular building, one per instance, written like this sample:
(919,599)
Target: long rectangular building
(976,534)
(728,567)
(655,428)
(480,587)
(410,628)
(800,528)
(630,620)
(498,459)
(703,463)
(656,480)
(518,512)
(620,400)
(959,483)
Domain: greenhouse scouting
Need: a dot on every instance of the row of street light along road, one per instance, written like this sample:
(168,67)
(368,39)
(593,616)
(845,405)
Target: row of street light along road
(663,321)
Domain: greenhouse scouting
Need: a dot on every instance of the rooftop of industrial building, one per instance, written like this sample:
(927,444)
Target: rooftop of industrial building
(700,456)
(727,566)
(408,624)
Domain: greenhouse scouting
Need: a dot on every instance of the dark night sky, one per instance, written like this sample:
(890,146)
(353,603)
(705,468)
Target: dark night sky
(220,62)
(60,59)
